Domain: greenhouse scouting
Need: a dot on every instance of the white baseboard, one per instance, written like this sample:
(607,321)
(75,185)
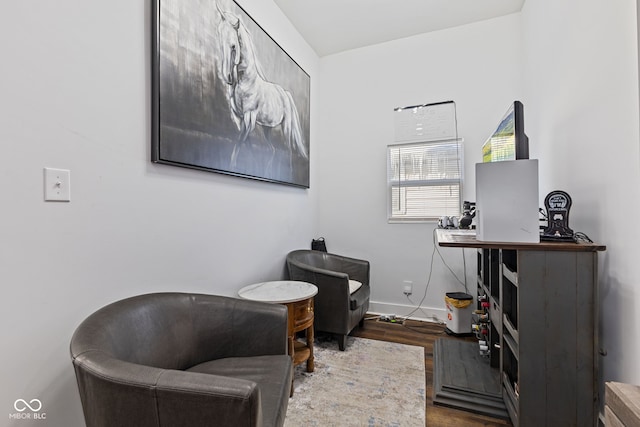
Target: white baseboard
(428,314)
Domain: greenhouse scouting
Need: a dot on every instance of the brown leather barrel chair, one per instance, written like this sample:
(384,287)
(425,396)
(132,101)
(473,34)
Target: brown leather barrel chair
(343,289)
(177,359)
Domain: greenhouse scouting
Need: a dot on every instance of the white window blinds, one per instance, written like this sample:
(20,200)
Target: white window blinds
(424,180)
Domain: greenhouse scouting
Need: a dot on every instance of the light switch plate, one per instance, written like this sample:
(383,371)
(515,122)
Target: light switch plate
(57,185)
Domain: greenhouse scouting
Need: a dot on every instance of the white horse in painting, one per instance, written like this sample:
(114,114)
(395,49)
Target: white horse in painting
(253,99)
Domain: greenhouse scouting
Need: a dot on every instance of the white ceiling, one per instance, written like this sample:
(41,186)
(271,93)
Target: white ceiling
(332,26)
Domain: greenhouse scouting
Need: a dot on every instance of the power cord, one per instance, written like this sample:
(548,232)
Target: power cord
(424,296)
(464,263)
(580,236)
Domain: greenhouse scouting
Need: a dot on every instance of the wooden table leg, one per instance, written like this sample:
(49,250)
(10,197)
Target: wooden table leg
(292,347)
(310,362)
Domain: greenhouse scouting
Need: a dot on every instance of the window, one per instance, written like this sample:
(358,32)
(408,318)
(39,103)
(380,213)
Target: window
(424,180)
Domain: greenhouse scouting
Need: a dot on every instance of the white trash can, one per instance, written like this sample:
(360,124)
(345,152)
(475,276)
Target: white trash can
(459,309)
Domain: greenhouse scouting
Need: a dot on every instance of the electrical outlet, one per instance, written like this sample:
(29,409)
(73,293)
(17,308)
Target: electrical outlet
(407,287)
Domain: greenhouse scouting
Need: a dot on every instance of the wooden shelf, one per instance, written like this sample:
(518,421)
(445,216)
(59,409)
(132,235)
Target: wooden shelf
(467,239)
(513,277)
(510,328)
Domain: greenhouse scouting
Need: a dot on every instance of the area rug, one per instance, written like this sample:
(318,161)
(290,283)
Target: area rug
(371,383)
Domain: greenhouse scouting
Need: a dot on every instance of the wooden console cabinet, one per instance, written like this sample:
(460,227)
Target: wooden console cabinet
(543,315)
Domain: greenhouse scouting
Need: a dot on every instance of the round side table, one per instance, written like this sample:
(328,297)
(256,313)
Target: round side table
(298,297)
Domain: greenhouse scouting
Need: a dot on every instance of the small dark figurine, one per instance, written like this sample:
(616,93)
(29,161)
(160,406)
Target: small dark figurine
(558,204)
(469,212)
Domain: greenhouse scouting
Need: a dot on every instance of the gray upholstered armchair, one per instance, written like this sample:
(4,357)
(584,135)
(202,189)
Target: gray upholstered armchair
(175,359)
(343,289)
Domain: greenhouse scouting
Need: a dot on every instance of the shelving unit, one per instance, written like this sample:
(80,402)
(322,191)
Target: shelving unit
(542,306)
(489,293)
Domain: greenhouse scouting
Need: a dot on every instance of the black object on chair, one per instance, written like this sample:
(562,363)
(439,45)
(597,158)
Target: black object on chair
(319,244)
(343,289)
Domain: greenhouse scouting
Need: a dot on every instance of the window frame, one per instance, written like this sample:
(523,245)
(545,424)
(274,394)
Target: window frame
(395,183)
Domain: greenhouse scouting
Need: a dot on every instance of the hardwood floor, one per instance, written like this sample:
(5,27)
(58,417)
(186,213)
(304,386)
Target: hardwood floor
(424,334)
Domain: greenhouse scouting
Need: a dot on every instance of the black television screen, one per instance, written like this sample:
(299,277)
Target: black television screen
(508,141)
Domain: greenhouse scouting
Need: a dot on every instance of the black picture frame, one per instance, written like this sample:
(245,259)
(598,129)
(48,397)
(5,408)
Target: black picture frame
(226,97)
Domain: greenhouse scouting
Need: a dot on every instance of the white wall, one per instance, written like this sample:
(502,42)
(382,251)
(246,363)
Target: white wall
(75,94)
(479,67)
(575,67)
(581,80)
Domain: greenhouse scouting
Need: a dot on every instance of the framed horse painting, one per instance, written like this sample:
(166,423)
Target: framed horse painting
(226,97)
